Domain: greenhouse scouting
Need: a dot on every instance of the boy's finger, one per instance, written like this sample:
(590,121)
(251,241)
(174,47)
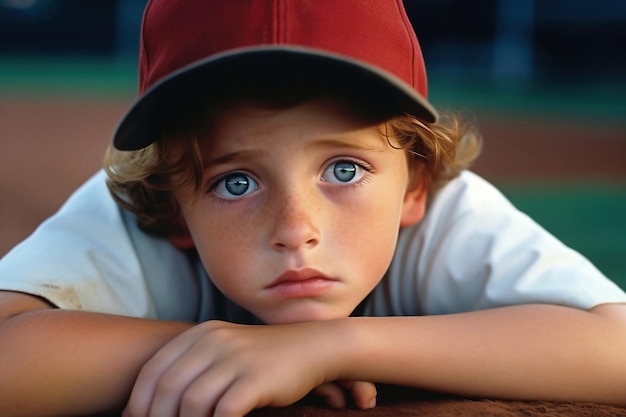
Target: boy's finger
(200,399)
(243,396)
(363,393)
(333,394)
(142,395)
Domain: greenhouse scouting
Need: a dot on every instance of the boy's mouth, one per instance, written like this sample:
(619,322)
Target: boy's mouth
(305,282)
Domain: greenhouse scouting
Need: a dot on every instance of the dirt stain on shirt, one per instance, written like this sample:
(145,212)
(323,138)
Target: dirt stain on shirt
(61,296)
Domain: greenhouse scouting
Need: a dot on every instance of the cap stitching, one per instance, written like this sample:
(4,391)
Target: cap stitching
(405,19)
(277,23)
(146,61)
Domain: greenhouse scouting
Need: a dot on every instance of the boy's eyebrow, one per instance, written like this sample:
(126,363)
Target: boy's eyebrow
(345,142)
(326,143)
(232,156)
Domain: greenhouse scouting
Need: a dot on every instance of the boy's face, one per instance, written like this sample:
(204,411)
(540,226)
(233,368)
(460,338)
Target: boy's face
(300,209)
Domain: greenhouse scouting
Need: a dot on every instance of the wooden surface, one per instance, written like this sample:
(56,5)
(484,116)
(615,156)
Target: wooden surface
(402,402)
(396,402)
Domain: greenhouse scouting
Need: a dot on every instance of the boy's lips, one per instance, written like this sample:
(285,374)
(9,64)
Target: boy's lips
(306,282)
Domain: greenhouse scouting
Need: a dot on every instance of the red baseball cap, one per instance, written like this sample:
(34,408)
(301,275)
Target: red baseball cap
(191,49)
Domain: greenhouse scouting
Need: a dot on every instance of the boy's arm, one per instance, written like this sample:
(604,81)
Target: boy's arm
(527,352)
(76,363)
(59,362)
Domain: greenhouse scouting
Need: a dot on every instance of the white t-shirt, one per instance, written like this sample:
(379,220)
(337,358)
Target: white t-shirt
(473,250)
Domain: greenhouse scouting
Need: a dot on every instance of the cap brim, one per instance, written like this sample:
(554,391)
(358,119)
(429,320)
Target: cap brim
(180,92)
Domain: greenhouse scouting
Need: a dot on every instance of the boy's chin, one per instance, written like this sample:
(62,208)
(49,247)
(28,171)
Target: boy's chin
(304,314)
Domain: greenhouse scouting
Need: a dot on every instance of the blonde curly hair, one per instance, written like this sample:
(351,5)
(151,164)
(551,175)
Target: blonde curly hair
(143,182)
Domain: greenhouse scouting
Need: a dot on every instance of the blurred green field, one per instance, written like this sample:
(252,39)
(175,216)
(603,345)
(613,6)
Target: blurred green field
(590,218)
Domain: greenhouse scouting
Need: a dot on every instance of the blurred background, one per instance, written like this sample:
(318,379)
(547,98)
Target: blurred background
(544,81)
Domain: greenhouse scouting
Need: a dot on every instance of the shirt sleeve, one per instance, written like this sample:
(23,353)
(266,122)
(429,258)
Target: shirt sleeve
(81,258)
(474,250)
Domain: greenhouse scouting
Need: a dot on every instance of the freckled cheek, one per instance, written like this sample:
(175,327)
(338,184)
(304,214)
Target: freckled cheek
(368,233)
(224,244)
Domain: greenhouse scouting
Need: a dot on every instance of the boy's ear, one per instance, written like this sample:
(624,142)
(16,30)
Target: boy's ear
(181,240)
(414,205)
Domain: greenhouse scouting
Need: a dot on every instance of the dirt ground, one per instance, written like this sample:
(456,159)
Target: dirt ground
(49,146)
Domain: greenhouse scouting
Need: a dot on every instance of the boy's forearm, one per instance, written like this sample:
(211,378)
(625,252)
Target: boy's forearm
(89,362)
(57,362)
(522,352)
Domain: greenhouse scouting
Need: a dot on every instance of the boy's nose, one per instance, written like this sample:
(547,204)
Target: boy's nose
(295,225)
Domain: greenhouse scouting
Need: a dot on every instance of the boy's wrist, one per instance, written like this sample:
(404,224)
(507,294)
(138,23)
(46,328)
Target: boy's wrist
(343,347)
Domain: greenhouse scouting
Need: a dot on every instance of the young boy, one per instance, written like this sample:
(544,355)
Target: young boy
(283,167)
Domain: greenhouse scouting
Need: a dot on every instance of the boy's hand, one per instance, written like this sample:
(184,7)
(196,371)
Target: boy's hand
(227,370)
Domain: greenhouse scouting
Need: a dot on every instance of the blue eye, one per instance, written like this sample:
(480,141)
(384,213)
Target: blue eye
(235,185)
(343,172)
